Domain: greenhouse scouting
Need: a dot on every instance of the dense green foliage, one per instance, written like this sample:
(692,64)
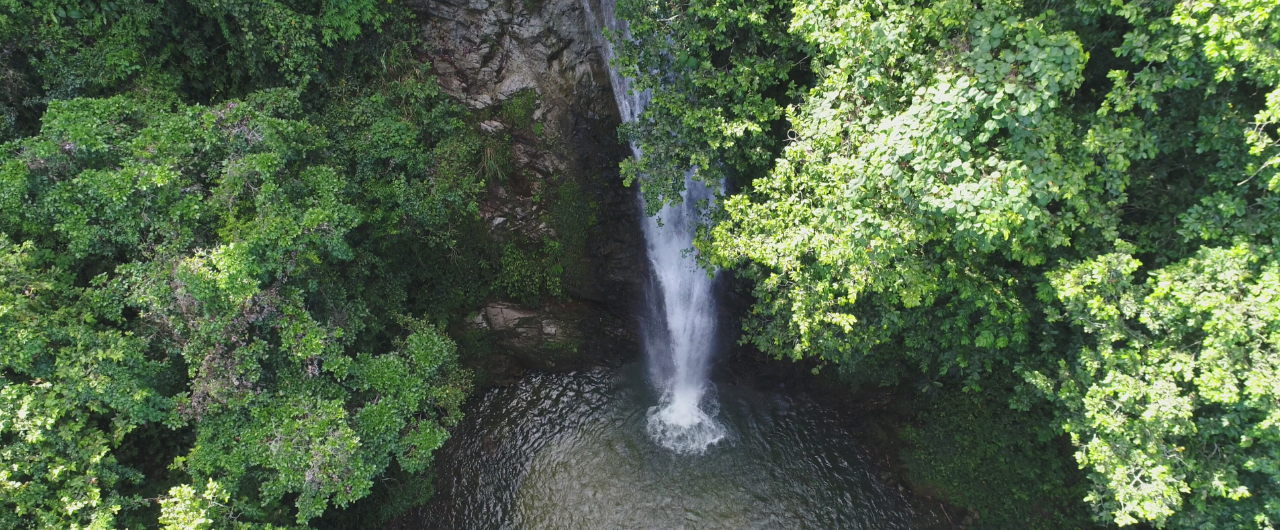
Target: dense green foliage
(1006,470)
(232,232)
(1080,195)
(726,67)
(227,252)
(199,49)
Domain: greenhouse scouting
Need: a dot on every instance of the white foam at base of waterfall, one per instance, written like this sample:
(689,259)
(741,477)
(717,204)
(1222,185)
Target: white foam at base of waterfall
(682,307)
(682,423)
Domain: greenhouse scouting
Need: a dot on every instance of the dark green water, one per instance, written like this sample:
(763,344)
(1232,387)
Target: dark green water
(570,451)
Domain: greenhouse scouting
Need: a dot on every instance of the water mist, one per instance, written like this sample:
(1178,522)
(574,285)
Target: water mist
(681,326)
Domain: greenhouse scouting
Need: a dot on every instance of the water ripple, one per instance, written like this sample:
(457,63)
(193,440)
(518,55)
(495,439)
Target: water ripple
(573,451)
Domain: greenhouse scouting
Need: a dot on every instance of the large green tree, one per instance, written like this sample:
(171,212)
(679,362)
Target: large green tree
(226,253)
(202,50)
(185,267)
(1078,193)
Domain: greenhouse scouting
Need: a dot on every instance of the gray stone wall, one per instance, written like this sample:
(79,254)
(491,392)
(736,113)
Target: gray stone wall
(485,54)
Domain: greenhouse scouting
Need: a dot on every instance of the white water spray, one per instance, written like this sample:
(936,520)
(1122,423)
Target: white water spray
(682,321)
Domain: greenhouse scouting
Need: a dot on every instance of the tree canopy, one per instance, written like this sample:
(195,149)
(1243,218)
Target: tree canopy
(1080,194)
(226,255)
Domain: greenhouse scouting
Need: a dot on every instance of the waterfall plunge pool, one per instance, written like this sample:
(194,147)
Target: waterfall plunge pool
(570,451)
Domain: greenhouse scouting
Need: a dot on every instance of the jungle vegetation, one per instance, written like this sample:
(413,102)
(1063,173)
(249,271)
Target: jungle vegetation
(231,233)
(1059,218)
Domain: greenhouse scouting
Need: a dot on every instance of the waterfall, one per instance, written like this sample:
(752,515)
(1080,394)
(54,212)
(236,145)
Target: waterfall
(685,316)
(681,325)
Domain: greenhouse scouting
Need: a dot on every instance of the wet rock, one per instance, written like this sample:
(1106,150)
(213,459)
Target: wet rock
(560,336)
(503,317)
(484,52)
(490,54)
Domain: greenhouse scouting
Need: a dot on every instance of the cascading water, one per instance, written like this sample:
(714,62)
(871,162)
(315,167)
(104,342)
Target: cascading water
(687,309)
(682,323)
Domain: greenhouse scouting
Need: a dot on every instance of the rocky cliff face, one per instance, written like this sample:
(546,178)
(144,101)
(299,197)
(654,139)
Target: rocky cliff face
(533,72)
